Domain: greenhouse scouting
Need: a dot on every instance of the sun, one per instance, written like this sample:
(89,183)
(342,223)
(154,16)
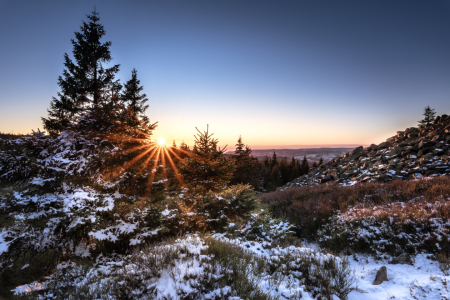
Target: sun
(161,141)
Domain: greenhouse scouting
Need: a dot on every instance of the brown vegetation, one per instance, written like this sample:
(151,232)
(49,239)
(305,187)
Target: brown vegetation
(311,207)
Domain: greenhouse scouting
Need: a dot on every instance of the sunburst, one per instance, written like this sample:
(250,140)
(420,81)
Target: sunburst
(161,141)
(152,152)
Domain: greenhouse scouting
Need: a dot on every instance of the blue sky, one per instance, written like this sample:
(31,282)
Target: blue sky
(276,72)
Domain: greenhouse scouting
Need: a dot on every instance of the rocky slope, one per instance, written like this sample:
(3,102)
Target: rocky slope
(412,153)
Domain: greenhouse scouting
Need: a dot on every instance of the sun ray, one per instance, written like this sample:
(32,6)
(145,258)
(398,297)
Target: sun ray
(119,169)
(163,162)
(121,138)
(144,165)
(151,151)
(175,170)
(173,153)
(153,173)
(122,152)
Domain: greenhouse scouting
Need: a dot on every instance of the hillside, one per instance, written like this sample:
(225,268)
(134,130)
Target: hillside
(412,153)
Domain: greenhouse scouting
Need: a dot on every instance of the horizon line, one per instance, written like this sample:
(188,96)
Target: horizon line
(280,147)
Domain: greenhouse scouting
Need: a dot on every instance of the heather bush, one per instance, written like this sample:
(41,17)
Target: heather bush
(394,217)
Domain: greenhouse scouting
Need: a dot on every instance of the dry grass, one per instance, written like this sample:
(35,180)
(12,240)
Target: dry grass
(311,207)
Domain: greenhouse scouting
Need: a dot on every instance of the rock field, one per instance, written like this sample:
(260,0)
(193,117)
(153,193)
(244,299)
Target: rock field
(412,153)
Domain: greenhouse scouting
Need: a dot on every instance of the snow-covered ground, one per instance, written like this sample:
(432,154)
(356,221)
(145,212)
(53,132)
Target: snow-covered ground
(423,280)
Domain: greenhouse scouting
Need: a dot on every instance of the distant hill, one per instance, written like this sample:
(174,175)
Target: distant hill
(10,136)
(312,154)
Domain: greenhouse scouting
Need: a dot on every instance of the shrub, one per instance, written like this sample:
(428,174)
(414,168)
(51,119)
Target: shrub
(311,208)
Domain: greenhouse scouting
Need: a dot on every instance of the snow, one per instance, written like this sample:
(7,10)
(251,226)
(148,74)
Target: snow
(3,244)
(40,181)
(26,288)
(424,280)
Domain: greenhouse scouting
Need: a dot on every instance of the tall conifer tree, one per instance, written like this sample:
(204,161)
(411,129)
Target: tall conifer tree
(305,166)
(136,102)
(248,168)
(84,81)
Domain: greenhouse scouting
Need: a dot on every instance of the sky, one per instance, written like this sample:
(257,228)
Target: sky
(281,74)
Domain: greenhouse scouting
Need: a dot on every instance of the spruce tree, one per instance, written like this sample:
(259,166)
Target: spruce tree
(274,161)
(136,102)
(429,116)
(276,178)
(84,81)
(206,169)
(294,171)
(266,162)
(304,166)
(248,170)
(320,161)
(284,170)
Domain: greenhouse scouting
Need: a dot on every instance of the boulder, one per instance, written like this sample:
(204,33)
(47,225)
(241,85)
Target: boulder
(392,162)
(357,152)
(423,144)
(417,176)
(381,276)
(367,165)
(438,151)
(395,151)
(427,156)
(436,138)
(412,156)
(391,139)
(385,145)
(334,174)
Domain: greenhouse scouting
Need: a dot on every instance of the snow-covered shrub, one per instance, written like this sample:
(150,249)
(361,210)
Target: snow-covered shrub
(393,228)
(188,268)
(296,269)
(213,211)
(262,227)
(412,205)
(323,275)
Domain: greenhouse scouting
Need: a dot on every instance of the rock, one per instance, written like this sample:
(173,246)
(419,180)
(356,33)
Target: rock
(385,145)
(436,138)
(334,174)
(367,165)
(357,152)
(374,147)
(395,151)
(402,259)
(381,276)
(372,153)
(427,156)
(437,151)
(423,144)
(392,162)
